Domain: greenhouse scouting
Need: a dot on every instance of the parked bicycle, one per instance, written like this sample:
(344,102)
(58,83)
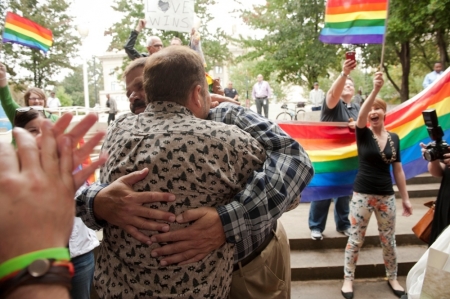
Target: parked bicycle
(298,113)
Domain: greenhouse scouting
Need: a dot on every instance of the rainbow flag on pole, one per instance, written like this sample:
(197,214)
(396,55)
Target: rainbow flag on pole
(354,22)
(332,146)
(27,33)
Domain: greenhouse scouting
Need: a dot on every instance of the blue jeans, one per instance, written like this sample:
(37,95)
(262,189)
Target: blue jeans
(318,213)
(84,274)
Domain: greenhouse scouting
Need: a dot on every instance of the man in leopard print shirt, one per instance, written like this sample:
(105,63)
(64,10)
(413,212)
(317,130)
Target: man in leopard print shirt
(203,163)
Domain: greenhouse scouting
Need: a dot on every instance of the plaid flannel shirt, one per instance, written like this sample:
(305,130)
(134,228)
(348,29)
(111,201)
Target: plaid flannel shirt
(270,191)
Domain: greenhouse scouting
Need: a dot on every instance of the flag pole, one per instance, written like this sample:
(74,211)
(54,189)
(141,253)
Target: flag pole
(383,46)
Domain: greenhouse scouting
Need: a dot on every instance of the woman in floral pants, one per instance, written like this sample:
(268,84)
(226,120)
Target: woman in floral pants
(373,191)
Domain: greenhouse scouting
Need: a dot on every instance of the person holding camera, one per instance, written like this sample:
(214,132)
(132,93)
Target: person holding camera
(378,149)
(440,168)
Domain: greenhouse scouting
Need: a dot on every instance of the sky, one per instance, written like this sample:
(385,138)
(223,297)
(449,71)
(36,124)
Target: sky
(98,15)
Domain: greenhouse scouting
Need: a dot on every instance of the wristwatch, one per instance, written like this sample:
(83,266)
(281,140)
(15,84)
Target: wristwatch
(344,75)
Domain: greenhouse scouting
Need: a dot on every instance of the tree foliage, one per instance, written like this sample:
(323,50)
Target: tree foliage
(30,66)
(291,46)
(214,44)
(74,88)
(417,36)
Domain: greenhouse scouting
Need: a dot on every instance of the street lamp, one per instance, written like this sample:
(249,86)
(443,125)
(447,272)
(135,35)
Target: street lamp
(84,32)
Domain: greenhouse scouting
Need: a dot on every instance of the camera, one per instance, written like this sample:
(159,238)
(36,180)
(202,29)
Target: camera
(438,147)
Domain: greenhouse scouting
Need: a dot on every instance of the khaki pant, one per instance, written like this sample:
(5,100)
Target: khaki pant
(268,276)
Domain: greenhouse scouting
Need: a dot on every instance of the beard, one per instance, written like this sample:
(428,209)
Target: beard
(137,103)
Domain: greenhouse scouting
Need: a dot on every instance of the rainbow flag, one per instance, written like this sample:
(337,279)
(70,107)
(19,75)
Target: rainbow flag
(27,33)
(354,22)
(332,146)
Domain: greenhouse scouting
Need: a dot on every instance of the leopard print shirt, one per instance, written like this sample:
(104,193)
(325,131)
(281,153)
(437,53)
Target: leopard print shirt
(204,163)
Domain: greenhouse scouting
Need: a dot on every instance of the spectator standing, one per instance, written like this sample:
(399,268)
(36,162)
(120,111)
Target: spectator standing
(261,94)
(358,98)
(378,152)
(336,108)
(154,43)
(112,105)
(231,92)
(433,76)
(176,41)
(53,102)
(316,97)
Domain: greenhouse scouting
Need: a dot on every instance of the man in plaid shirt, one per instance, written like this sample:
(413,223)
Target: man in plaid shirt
(249,221)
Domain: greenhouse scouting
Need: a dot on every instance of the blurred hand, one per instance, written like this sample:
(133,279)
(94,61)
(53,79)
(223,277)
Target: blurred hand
(348,66)
(36,191)
(75,135)
(3,79)
(378,81)
(221,99)
(407,208)
(141,25)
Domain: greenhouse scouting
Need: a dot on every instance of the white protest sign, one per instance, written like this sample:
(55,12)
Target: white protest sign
(174,15)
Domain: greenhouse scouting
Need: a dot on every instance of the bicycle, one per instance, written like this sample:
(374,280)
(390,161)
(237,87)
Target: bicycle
(289,114)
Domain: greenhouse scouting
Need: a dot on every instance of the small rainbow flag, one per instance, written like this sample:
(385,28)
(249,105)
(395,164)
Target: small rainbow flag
(332,146)
(27,33)
(354,22)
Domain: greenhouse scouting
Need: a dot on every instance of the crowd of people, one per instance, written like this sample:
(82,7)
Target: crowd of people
(191,187)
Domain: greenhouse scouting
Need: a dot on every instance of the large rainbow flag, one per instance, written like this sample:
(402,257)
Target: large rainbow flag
(332,146)
(354,22)
(22,31)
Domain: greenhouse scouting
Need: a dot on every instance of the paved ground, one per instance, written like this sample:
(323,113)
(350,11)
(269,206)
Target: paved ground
(330,289)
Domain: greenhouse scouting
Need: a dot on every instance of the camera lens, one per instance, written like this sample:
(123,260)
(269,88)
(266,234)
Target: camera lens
(429,155)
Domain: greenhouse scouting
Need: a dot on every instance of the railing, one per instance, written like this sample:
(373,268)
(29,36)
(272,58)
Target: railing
(77,110)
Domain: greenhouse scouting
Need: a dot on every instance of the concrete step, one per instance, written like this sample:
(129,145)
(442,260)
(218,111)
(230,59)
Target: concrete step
(424,178)
(295,223)
(329,263)
(420,190)
(374,288)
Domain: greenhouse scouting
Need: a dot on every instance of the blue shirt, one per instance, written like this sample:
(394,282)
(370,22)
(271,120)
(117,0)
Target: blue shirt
(430,78)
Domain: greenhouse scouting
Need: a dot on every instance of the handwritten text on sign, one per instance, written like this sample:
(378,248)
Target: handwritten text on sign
(174,15)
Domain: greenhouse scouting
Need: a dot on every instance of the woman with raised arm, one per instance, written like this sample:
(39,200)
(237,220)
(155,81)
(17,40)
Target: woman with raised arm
(33,97)
(378,149)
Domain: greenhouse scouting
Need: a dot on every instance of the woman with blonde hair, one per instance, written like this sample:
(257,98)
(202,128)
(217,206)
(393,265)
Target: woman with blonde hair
(378,149)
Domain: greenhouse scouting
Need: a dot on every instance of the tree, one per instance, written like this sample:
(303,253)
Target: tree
(214,44)
(64,98)
(291,46)
(73,84)
(31,66)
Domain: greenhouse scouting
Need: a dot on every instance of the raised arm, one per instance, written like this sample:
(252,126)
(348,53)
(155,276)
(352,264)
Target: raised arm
(367,105)
(131,42)
(8,104)
(334,94)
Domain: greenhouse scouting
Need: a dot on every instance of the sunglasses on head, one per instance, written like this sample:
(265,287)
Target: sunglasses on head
(29,108)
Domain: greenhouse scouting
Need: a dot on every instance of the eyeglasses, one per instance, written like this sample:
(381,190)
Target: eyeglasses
(35,99)
(157,46)
(28,108)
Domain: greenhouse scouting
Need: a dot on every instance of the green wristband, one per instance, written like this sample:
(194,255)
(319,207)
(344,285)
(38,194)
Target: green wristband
(22,261)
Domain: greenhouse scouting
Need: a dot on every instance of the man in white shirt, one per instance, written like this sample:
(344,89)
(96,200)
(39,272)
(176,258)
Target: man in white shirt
(53,102)
(316,97)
